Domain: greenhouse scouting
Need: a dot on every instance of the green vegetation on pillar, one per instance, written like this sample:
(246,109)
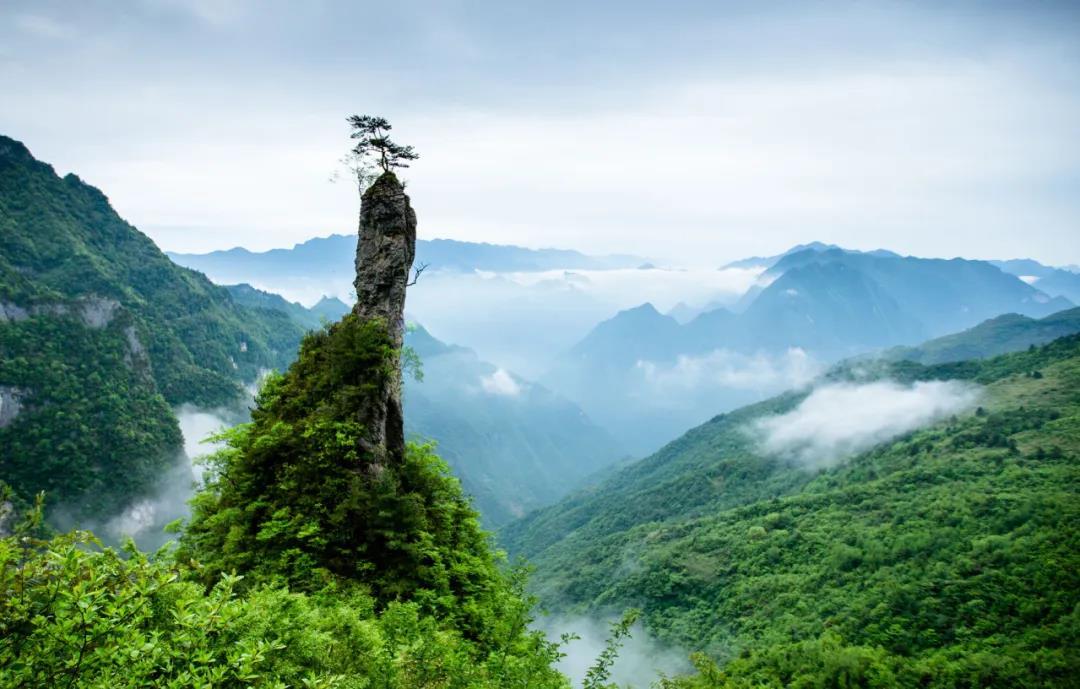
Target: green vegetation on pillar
(320,488)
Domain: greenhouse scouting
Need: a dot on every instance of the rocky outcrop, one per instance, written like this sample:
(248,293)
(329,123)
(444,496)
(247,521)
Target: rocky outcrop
(384,256)
(7,518)
(94,312)
(11,403)
(12,312)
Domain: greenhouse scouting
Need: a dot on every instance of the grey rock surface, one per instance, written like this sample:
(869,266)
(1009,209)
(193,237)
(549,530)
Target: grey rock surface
(10,404)
(384,256)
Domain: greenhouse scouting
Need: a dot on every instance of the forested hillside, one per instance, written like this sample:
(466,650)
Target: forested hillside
(944,557)
(100,334)
(1008,333)
(322,550)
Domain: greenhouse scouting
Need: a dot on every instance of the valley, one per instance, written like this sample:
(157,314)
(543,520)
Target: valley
(714,346)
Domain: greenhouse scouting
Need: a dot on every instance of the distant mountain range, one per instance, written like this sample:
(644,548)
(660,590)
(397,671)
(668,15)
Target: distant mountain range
(1064,282)
(825,303)
(770,261)
(332,258)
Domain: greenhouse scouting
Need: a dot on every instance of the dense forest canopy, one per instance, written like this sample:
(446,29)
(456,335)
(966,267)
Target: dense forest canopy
(946,557)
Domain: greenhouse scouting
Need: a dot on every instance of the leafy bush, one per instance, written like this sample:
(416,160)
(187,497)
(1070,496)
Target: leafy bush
(75,615)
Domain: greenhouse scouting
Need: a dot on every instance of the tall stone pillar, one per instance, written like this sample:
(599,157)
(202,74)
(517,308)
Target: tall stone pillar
(384,256)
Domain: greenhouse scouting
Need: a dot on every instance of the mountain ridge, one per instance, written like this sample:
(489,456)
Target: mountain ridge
(100,335)
(820,305)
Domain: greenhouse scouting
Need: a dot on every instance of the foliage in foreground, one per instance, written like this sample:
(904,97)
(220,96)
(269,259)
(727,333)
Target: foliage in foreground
(76,615)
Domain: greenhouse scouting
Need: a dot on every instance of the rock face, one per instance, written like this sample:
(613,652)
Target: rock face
(384,257)
(7,517)
(10,404)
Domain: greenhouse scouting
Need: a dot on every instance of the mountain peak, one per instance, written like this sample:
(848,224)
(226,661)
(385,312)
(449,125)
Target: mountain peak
(646,309)
(16,150)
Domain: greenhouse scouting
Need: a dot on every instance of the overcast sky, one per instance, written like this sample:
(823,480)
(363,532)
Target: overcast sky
(688,132)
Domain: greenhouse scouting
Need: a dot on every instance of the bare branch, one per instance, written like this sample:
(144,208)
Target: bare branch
(416,274)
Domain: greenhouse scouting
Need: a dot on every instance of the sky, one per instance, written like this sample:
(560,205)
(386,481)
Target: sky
(689,132)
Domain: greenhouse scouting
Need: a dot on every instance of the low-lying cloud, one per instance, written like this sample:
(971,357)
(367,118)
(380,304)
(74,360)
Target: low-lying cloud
(722,368)
(501,383)
(197,425)
(144,519)
(641,661)
(839,420)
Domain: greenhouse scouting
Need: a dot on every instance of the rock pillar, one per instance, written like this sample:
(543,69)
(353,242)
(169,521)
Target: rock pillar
(384,257)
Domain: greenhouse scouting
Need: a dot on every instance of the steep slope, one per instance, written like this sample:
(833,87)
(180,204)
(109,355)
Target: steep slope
(945,556)
(514,444)
(1008,333)
(829,308)
(99,335)
(246,295)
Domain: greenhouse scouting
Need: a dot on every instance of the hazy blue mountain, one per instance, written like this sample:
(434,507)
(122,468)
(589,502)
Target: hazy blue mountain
(514,444)
(332,257)
(1063,282)
(828,308)
(1008,333)
(769,261)
(944,295)
(683,312)
(1024,267)
(645,378)
(648,377)
(330,308)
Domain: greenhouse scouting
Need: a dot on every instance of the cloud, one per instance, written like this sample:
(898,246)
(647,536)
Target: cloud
(196,425)
(663,287)
(641,660)
(144,519)
(501,383)
(43,26)
(839,420)
(722,368)
(870,126)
